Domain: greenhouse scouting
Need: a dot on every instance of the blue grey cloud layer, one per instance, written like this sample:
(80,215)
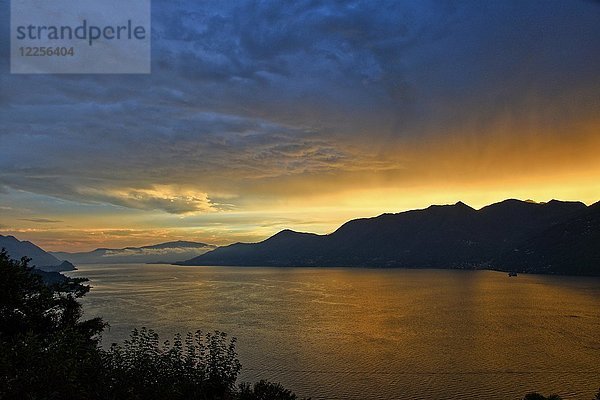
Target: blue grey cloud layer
(252,91)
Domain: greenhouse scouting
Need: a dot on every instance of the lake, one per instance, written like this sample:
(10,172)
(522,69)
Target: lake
(341,333)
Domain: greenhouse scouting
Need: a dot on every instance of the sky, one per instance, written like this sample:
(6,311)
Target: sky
(265,115)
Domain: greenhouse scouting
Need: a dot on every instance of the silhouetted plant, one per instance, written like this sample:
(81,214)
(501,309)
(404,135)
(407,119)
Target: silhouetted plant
(45,347)
(264,390)
(534,396)
(538,396)
(597,397)
(205,366)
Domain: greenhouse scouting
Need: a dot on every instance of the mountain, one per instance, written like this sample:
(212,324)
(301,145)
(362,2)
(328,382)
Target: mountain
(448,236)
(169,252)
(571,247)
(39,258)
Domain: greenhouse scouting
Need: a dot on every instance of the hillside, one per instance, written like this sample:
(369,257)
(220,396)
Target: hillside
(449,236)
(571,247)
(39,257)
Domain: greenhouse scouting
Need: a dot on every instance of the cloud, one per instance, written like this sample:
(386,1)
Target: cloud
(179,168)
(40,220)
(254,99)
(156,252)
(167,199)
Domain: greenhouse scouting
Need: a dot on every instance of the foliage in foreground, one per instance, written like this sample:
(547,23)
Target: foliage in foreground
(538,396)
(264,390)
(201,366)
(48,352)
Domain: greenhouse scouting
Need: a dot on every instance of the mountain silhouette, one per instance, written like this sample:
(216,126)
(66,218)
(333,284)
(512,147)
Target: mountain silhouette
(39,257)
(447,236)
(571,247)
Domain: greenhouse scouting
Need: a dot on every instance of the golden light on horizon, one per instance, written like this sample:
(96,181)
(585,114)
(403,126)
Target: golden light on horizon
(478,170)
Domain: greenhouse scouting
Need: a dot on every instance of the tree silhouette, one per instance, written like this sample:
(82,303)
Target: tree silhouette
(201,366)
(538,396)
(45,347)
(264,390)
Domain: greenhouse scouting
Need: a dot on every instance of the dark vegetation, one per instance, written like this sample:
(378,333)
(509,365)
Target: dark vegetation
(538,396)
(555,237)
(47,351)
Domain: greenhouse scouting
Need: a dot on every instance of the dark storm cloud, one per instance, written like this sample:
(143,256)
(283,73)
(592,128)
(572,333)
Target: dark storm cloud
(264,89)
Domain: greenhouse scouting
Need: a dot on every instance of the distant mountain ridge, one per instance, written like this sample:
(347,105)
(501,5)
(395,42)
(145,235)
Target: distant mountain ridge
(448,236)
(168,252)
(40,258)
(570,247)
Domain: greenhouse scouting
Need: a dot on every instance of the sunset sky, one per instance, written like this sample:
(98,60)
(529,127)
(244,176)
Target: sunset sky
(265,115)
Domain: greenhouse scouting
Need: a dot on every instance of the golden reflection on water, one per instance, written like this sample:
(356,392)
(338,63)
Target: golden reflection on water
(373,334)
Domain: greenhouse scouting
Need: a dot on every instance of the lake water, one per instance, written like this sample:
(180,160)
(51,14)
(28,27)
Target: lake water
(372,334)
